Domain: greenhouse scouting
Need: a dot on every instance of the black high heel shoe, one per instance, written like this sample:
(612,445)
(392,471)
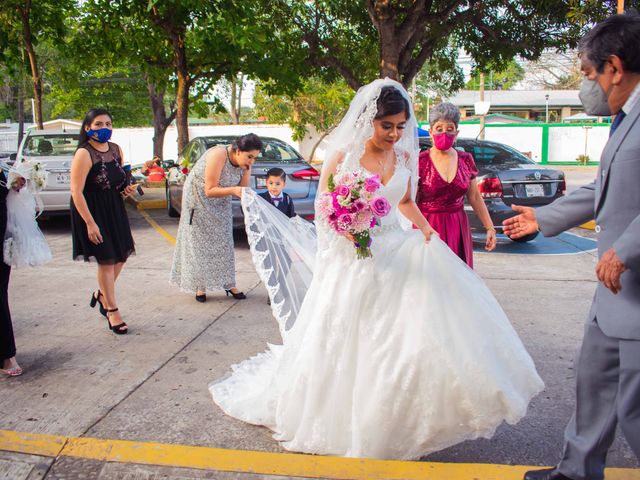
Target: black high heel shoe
(96,299)
(237,296)
(121,328)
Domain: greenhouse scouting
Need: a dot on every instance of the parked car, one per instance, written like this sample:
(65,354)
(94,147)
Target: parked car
(507,177)
(54,149)
(302,178)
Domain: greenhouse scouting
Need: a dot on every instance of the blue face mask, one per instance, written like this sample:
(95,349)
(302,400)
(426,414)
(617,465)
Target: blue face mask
(101,136)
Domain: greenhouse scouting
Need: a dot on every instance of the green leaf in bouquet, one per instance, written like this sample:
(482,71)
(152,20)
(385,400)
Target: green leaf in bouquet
(331,184)
(363,241)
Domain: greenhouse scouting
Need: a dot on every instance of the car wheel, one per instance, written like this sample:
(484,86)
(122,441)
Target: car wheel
(526,238)
(172,212)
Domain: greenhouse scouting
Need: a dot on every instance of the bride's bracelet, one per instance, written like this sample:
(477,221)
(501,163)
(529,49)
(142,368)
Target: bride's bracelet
(490,229)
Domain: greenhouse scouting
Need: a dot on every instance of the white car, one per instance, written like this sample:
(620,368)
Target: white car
(54,149)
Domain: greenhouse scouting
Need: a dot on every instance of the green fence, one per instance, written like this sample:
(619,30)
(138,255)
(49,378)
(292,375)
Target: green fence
(544,153)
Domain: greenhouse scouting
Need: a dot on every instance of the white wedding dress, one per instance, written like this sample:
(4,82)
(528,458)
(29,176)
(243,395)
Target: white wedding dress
(24,244)
(390,357)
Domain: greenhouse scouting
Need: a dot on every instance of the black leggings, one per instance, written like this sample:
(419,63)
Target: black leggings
(7,342)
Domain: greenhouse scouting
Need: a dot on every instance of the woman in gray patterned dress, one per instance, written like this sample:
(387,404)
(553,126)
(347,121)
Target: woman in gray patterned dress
(204,258)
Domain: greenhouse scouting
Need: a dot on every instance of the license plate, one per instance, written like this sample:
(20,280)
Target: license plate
(261,182)
(63,178)
(534,190)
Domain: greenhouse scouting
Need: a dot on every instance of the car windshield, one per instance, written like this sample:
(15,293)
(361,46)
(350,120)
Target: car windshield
(492,154)
(50,145)
(273,151)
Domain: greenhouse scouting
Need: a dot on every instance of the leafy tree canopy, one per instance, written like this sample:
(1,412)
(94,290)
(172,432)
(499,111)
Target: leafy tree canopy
(319,104)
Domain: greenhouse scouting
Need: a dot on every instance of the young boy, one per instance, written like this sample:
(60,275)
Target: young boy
(276,181)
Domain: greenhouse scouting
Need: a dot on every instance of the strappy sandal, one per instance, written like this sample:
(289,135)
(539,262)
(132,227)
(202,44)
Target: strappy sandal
(95,298)
(121,328)
(12,372)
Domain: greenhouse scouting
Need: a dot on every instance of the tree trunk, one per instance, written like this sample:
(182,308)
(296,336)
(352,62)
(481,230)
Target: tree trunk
(384,20)
(315,147)
(33,62)
(20,113)
(234,112)
(389,54)
(176,36)
(239,99)
(406,45)
(160,120)
(182,106)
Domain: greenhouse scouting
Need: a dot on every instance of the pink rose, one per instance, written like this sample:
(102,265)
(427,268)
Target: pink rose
(342,191)
(334,200)
(371,184)
(380,206)
(345,219)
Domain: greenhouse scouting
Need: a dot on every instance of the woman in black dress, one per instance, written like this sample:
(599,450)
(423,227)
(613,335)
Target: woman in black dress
(99,222)
(7,342)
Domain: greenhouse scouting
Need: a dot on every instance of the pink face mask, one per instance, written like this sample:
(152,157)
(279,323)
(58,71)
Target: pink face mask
(443,141)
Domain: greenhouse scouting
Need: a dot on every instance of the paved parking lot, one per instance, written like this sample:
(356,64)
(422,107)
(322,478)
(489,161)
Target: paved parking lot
(81,381)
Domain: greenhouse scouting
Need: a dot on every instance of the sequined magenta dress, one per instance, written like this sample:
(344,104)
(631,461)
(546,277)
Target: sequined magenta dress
(442,203)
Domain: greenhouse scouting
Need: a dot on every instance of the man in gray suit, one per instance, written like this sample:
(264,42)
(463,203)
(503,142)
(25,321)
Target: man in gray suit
(608,372)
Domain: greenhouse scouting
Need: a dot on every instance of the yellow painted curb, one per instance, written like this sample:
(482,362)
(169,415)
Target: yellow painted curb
(284,464)
(32,443)
(157,227)
(151,204)
(590,225)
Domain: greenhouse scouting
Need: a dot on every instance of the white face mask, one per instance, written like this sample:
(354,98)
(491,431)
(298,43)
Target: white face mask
(594,99)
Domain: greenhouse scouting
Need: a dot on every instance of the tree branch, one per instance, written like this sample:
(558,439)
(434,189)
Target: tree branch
(319,58)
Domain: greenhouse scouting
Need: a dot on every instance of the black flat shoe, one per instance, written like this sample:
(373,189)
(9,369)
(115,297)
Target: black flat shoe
(237,296)
(95,298)
(545,474)
(201,298)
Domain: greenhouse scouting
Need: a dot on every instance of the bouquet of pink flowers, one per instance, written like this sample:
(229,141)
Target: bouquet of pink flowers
(351,206)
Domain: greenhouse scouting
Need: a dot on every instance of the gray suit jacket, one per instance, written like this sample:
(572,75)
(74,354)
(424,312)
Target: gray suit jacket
(613,199)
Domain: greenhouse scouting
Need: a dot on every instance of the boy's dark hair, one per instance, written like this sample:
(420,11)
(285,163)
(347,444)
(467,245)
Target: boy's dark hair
(91,115)
(247,143)
(277,172)
(617,35)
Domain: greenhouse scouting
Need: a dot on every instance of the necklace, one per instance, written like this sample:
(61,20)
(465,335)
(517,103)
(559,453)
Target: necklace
(383,166)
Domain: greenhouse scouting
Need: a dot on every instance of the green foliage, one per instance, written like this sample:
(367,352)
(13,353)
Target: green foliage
(46,19)
(331,183)
(583,159)
(440,77)
(319,104)
(26,27)
(123,93)
(583,13)
(500,79)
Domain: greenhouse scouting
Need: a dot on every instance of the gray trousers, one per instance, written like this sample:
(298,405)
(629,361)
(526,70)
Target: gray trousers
(607,394)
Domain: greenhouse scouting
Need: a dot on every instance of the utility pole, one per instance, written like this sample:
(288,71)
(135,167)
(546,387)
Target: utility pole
(546,108)
(481,136)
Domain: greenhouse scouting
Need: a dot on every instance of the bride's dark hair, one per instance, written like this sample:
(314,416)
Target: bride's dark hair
(391,102)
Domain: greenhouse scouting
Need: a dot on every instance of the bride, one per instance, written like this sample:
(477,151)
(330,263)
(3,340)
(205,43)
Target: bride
(394,356)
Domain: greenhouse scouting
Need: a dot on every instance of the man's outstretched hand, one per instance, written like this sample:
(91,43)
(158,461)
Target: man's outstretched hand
(609,270)
(521,225)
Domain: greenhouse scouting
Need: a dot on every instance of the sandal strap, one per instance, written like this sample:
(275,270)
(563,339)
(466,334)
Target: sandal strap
(112,310)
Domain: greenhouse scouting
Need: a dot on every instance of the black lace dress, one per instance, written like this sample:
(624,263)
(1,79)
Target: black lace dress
(105,181)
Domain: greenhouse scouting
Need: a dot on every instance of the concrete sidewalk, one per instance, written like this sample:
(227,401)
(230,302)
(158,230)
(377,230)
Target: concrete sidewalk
(100,406)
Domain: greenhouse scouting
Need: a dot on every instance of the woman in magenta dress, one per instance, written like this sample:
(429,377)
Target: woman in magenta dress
(446,176)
